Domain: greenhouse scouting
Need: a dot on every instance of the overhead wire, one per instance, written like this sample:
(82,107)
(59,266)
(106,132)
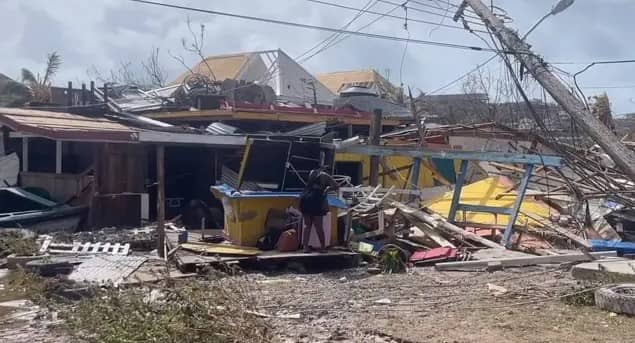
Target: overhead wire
(317,27)
(440,23)
(448,2)
(417,20)
(420,10)
(453,82)
(334,36)
(405,49)
(341,38)
(575,80)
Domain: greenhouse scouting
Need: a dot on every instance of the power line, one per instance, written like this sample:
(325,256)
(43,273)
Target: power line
(575,80)
(358,30)
(334,36)
(436,6)
(608,87)
(451,83)
(426,11)
(608,61)
(322,28)
(389,15)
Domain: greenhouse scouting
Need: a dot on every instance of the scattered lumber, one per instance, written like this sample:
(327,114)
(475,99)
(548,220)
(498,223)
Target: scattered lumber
(438,222)
(579,241)
(521,261)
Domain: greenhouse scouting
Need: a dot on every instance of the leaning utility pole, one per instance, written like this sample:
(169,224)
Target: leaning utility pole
(624,158)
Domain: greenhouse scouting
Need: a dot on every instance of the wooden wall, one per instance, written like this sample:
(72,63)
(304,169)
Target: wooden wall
(121,168)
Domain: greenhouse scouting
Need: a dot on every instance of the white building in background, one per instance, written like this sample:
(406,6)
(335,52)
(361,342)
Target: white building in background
(289,80)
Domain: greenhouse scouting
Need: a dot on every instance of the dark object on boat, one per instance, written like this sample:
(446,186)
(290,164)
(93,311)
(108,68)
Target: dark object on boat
(23,209)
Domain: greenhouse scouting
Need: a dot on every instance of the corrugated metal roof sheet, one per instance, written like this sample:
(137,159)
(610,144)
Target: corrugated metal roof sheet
(315,130)
(65,126)
(221,129)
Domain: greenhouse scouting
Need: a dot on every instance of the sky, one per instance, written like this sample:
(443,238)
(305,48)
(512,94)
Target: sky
(102,34)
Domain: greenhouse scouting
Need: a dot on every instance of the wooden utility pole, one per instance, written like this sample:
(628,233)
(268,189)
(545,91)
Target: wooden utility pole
(374,137)
(161,200)
(624,158)
(416,162)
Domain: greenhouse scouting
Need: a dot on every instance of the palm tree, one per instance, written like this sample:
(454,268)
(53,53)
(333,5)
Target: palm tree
(41,86)
(13,93)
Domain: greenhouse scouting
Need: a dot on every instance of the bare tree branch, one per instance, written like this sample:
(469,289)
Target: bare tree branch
(153,69)
(196,46)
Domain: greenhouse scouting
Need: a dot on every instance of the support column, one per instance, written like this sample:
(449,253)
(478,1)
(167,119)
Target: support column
(25,154)
(58,157)
(522,189)
(161,200)
(375,132)
(456,197)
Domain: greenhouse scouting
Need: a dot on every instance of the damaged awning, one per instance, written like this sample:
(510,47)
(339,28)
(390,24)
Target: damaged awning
(74,127)
(66,126)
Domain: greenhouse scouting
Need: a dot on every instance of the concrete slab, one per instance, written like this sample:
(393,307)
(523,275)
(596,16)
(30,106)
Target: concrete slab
(103,269)
(610,270)
(494,254)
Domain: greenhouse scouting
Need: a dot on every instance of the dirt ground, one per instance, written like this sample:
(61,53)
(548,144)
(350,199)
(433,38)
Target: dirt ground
(521,305)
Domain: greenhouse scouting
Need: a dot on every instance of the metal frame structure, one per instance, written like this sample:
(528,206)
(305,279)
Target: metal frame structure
(529,160)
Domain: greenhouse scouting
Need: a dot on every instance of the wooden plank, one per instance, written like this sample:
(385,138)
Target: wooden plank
(579,241)
(45,244)
(95,248)
(106,248)
(505,157)
(438,222)
(422,230)
(115,248)
(221,249)
(86,248)
(522,261)
(126,249)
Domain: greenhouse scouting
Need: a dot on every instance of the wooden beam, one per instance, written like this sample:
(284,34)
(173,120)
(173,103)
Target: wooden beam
(161,199)
(522,261)
(504,157)
(214,115)
(25,154)
(374,136)
(58,157)
(440,223)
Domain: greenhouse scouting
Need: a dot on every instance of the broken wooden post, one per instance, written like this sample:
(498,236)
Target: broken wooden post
(161,199)
(25,153)
(58,157)
(373,137)
(69,94)
(416,167)
(106,94)
(83,94)
(92,92)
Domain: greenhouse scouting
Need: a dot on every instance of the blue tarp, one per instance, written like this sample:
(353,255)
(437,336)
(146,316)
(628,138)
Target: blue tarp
(622,248)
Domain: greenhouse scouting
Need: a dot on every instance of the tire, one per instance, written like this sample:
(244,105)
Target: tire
(618,298)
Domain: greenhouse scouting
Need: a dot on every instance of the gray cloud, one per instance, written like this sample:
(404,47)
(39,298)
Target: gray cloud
(102,33)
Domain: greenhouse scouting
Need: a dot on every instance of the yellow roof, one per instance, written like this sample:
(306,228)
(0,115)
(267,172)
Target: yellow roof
(486,193)
(334,81)
(222,66)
